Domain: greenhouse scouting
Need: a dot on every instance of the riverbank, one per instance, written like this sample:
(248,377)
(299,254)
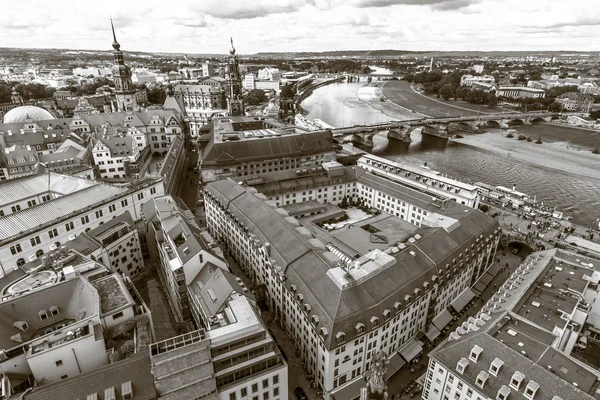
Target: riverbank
(557,155)
(372,94)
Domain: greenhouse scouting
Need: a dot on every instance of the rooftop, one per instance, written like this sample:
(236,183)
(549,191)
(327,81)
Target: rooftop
(132,373)
(307,263)
(113,294)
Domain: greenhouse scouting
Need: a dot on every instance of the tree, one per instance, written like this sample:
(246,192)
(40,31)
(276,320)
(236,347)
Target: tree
(460,92)
(256,96)
(366,70)
(595,114)
(492,100)
(156,96)
(446,91)
(554,107)
(286,91)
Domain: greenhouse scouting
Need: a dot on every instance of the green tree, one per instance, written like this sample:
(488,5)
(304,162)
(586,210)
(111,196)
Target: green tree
(446,91)
(492,100)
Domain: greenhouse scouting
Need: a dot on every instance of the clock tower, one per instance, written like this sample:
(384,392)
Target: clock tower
(124,90)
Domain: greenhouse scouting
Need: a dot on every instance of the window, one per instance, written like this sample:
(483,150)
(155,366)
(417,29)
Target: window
(58,363)
(244,392)
(266,396)
(69,226)
(35,241)
(31,203)
(276,391)
(99,214)
(15,249)
(232,396)
(265,383)
(16,208)
(140,196)
(64,377)
(152,190)
(275,379)
(85,220)
(112,208)
(117,315)
(124,203)
(53,233)
(254,387)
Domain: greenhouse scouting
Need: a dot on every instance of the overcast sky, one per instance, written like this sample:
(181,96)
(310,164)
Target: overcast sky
(204,26)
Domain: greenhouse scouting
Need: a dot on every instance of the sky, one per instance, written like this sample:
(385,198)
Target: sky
(204,26)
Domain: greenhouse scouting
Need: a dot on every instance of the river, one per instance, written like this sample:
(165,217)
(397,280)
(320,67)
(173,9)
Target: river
(579,197)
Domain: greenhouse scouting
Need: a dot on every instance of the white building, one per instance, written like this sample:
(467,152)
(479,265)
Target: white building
(236,359)
(248,82)
(522,342)
(423,179)
(467,80)
(338,313)
(183,250)
(515,92)
(40,212)
(477,68)
(122,155)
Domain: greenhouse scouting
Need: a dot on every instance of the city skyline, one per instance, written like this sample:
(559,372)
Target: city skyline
(183,26)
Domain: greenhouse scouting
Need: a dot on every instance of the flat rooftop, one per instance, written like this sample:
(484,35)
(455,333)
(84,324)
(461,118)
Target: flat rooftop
(113,294)
(523,337)
(548,299)
(251,128)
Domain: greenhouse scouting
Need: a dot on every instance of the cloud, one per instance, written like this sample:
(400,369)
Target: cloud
(246,10)
(192,22)
(435,4)
(585,21)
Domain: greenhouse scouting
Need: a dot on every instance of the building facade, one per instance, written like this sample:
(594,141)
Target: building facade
(302,275)
(125,93)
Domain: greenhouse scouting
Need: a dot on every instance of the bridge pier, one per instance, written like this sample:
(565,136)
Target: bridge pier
(401,134)
(362,140)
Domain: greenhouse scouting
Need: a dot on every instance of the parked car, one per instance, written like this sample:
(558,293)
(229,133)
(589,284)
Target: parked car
(300,393)
(582,342)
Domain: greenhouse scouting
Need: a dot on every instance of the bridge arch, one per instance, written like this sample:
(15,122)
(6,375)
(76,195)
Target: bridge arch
(538,120)
(516,121)
(465,126)
(493,124)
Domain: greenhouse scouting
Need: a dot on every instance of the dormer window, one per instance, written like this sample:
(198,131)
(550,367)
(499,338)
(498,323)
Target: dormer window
(495,366)
(341,337)
(324,332)
(475,353)
(387,314)
(397,306)
(315,320)
(531,389)
(482,377)
(300,297)
(516,380)
(54,311)
(462,365)
(307,308)
(374,321)
(360,328)
(43,314)
(21,325)
(503,393)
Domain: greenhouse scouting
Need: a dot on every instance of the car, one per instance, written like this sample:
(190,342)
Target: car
(582,342)
(515,251)
(300,395)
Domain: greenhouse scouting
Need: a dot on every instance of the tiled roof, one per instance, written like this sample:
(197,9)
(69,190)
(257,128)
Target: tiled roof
(291,145)
(51,211)
(135,369)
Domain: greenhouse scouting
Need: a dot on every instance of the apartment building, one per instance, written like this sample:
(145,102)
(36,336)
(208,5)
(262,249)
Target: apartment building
(423,179)
(119,155)
(235,359)
(342,293)
(468,80)
(247,146)
(57,322)
(38,213)
(116,244)
(183,250)
(529,340)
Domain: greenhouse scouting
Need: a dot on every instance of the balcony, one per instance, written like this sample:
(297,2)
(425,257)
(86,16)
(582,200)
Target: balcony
(170,256)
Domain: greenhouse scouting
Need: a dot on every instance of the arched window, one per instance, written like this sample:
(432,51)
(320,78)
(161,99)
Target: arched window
(20,262)
(57,244)
(39,253)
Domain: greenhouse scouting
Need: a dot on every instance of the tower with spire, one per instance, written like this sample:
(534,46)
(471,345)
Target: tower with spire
(124,90)
(235,102)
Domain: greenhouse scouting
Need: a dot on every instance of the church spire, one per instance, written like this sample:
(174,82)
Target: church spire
(115,44)
(232,50)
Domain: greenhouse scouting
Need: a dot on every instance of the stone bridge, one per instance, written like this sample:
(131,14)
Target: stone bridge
(438,127)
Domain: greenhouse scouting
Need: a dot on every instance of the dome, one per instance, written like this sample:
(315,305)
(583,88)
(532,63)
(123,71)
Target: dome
(20,114)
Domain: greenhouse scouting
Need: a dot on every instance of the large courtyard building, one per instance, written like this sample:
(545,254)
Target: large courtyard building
(40,212)
(247,146)
(536,338)
(343,290)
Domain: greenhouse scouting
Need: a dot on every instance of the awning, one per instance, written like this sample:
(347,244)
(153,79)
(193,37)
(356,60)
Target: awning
(350,391)
(411,350)
(479,287)
(396,362)
(442,319)
(432,332)
(486,278)
(462,300)
(494,269)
